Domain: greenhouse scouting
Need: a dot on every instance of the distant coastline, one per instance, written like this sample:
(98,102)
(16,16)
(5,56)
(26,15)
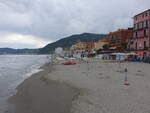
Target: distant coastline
(5,51)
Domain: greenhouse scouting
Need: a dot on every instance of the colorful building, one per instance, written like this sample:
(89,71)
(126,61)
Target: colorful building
(118,40)
(83,47)
(90,47)
(141,34)
(67,52)
(79,47)
(100,44)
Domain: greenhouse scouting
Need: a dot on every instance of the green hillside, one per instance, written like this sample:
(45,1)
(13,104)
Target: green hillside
(69,41)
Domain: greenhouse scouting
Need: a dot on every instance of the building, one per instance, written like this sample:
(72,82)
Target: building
(118,40)
(79,47)
(100,44)
(141,34)
(67,52)
(90,47)
(83,47)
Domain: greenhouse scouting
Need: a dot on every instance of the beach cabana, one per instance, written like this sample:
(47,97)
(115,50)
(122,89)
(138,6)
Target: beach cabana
(119,56)
(124,56)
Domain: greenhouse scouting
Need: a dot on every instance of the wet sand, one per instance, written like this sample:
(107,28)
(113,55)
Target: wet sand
(38,94)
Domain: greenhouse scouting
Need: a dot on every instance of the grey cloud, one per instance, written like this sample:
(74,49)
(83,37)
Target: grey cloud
(54,19)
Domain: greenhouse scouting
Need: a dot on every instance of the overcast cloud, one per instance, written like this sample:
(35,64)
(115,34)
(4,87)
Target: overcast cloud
(34,23)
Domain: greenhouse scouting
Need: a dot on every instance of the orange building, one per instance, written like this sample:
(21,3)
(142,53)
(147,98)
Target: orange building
(118,40)
(90,47)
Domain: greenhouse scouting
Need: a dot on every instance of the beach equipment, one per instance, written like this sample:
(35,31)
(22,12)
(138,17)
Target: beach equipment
(88,68)
(126,79)
(69,63)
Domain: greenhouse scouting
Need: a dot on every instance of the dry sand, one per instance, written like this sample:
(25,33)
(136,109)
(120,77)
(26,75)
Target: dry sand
(103,89)
(96,87)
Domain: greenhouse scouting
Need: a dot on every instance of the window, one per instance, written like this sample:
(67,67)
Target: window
(135,26)
(143,15)
(145,44)
(141,25)
(146,23)
(146,14)
(136,34)
(145,33)
(138,26)
(136,45)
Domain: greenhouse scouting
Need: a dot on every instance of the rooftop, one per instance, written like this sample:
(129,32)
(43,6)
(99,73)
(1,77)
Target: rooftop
(142,12)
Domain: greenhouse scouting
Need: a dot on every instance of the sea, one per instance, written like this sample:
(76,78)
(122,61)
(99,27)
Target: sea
(14,69)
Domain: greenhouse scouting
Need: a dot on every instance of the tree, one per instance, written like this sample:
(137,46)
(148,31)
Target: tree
(106,47)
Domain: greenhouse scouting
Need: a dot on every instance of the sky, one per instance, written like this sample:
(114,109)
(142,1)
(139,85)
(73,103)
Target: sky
(35,23)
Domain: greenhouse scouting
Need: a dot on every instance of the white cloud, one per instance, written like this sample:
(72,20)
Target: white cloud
(13,38)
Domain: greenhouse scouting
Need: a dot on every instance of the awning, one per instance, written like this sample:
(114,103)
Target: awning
(113,47)
(125,54)
(119,54)
(132,53)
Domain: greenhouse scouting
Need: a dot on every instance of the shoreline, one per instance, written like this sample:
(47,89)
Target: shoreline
(38,94)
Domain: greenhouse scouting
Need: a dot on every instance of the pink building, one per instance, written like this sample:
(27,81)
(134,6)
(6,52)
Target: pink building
(141,34)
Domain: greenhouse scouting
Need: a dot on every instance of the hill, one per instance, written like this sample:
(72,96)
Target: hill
(69,41)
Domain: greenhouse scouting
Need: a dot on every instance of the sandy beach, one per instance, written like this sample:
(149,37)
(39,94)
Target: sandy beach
(94,87)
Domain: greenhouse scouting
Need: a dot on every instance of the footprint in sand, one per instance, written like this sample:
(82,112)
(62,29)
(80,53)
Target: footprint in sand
(120,71)
(103,77)
(100,73)
(139,71)
(140,74)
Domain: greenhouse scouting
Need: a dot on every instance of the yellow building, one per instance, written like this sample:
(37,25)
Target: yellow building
(79,47)
(101,43)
